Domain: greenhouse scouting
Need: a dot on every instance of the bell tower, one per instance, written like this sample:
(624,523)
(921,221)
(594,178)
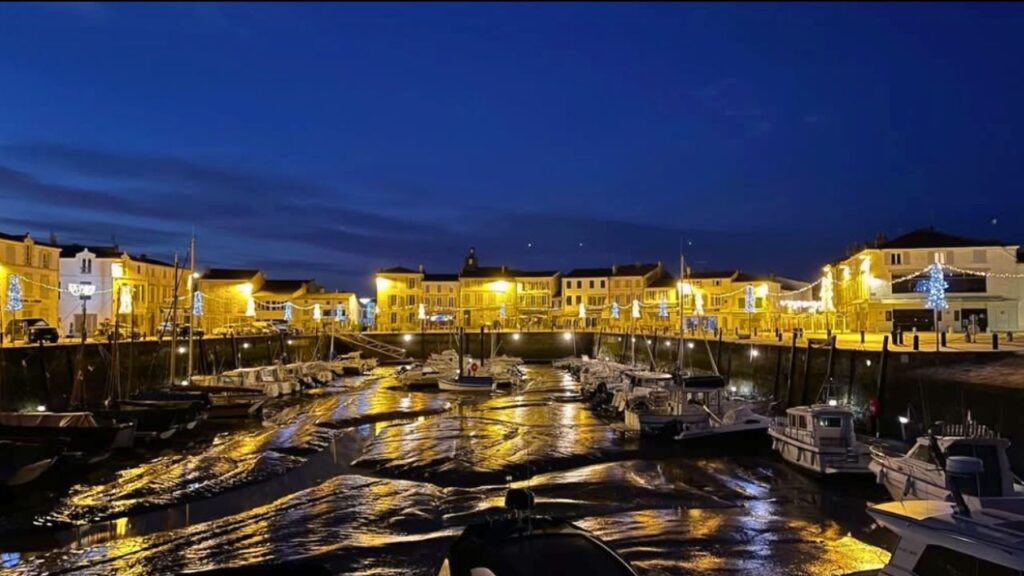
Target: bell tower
(470,264)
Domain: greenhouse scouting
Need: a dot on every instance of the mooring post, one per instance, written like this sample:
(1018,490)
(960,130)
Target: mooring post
(792,368)
(778,371)
(995,341)
(807,372)
(718,350)
(850,376)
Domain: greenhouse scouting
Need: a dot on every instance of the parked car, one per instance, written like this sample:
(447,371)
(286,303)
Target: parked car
(238,329)
(105,332)
(165,331)
(283,327)
(31,330)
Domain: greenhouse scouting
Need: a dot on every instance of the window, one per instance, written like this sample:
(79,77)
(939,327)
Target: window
(830,422)
(28,255)
(895,258)
(716,300)
(741,303)
(410,283)
(716,283)
(393,300)
(451,302)
(568,300)
(426,288)
(939,257)
(579,284)
(44,259)
(979,257)
(591,284)
(759,302)
(803,421)
(922,454)
(410,300)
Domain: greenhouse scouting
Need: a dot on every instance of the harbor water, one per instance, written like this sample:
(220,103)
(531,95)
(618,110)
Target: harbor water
(370,478)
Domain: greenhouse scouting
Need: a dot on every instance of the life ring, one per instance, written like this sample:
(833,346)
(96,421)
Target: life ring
(473,367)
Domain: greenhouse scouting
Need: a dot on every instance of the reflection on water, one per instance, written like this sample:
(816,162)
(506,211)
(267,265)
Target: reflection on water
(375,479)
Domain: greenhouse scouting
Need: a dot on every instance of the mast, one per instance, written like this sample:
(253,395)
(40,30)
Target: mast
(174,318)
(682,309)
(191,302)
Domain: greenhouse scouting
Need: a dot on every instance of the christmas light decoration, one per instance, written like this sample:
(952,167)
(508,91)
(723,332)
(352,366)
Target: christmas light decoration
(748,297)
(339,312)
(583,310)
(14,303)
(288,312)
(316,312)
(502,311)
(615,310)
(124,301)
(827,303)
(250,307)
(935,287)
(698,303)
(197,304)
(636,308)
(663,308)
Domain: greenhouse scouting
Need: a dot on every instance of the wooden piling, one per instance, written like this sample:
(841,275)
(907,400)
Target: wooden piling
(792,369)
(807,373)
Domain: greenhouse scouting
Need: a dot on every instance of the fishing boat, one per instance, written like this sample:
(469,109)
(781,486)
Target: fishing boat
(820,438)
(920,472)
(463,382)
(23,462)
(523,543)
(971,535)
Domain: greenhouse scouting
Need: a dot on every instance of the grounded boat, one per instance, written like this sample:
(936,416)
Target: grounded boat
(155,419)
(523,544)
(820,438)
(466,383)
(971,535)
(353,364)
(418,375)
(23,462)
(920,472)
(84,433)
(220,402)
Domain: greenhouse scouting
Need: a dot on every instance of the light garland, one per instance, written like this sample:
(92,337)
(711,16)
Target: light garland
(316,313)
(615,310)
(124,300)
(197,304)
(14,303)
(827,302)
(748,303)
(936,289)
(698,303)
(288,312)
(662,308)
(636,308)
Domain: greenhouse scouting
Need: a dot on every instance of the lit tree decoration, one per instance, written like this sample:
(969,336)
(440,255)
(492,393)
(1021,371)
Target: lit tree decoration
(936,288)
(197,304)
(615,310)
(698,303)
(421,313)
(502,312)
(583,310)
(316,312)
(662,308)
(748,297)
(14,303)
(636,308)
(827,303)
(288,312)
(339,312)
(124,302)
(250,307)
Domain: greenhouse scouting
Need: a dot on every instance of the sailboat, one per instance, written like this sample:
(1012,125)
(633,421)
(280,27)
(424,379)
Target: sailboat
(464,382)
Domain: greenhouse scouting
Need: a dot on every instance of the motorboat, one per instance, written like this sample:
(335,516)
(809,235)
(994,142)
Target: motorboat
(155,419)
(641,384)
(320,372)
(353,364)
(522,543)
(83,433)
(418,375)
(220,402)
(23,462)
(920,472)
(970,535)
(820,438)
(251,378)
(297,373)
(466,383)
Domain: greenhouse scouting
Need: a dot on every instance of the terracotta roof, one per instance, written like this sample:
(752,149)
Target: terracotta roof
(398,270)
(487,272)
(666,281)
(440,277)
(229,274)
(635,269)
(931,238)
(589,273)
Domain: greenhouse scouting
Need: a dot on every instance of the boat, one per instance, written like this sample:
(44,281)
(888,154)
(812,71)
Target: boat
(920,472)
(418,375)
(320,372)
(820,438)
(522,543)
(463,382)
(155,419)
(971,535)
(220,402)
(23,462)
(84,433)
(353,364)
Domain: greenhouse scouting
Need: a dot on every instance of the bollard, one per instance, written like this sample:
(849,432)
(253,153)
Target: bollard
(755,331)
(942,339)
(917,343)
(995,341)
(861,336)
(967,337)
(778,336)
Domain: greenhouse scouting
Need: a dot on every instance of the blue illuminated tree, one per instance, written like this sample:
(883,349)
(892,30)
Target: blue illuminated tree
(14,302)
(748,303)
(502,311)
(339,312)
(663,308)
(197,304)
(615,310)
(287,311)
(935,288)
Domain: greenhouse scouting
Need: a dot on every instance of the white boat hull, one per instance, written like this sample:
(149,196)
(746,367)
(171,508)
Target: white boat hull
(454,385)
(813,459)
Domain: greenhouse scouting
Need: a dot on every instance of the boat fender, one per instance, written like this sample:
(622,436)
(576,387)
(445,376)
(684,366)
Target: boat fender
(473,368)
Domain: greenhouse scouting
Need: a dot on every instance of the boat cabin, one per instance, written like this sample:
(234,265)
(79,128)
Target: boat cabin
(821,425)
(996,479)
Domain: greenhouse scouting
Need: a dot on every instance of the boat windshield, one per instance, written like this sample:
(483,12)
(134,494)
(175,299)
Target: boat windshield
(830,421)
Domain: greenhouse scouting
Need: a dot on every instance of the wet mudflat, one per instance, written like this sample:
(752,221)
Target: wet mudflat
(369,478)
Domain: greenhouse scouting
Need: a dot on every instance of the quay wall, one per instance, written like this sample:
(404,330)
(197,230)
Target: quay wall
(932,386)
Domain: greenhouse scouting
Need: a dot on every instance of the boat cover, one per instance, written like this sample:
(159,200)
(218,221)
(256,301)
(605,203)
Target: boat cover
(48,419)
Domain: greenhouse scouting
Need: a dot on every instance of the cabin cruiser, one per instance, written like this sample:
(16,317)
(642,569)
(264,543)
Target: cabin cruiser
(353,364)
(155,419)
(418,375)
(920,472)
(971,535)
(522,543)
(820,438)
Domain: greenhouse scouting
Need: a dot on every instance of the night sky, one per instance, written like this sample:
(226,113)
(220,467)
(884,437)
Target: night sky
(329,141)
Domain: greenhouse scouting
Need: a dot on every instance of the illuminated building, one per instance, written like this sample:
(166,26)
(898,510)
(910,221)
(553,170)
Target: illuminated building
(36,264)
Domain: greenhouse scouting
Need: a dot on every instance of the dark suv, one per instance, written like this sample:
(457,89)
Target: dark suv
(32,330)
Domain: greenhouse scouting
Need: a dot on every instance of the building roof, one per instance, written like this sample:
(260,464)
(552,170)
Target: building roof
(229,274)
(397,270)
(665,281)
(72,250)
(744,277)
(790,284)
(147,260)
(589,273)
(283,286)
(440,277)
(534,273)
(23,237)
(635,269)
(932,238)
(712,274)
(487,272)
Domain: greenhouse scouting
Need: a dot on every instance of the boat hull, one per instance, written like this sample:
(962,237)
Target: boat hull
(466,384)
(813,459)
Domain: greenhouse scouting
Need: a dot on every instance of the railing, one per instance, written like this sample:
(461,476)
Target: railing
(367,343)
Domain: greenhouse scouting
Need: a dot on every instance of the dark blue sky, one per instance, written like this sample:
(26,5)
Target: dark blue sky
(332,140)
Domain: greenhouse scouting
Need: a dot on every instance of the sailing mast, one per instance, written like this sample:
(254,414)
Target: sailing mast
(191,303)
(682,317)
(174,317)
